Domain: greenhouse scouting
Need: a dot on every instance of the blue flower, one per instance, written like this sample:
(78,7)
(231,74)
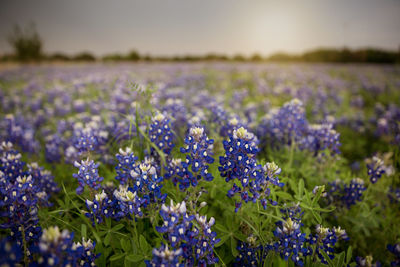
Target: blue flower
(326,239)
(320,137)
(101,207)
(395,250)
(375,169)
(165,257)
(58,249)
(346,195)
(85,140)
(250,254)
(291,241)
(285,125)
(190,233)
(160,133)
(147,183)
(127,203)
(11,253)
(87,175)
(126,163)
(239,165)
(198,150)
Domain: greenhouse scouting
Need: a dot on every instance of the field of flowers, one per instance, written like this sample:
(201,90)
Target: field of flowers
(200,164)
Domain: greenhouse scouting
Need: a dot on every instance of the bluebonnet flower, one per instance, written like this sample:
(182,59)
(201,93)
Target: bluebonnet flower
(285,125)
(270,177)
(367,262)
(198,150)
(291,241)
(293,212)
(206,240)
(346,195)
(127,203)
(176,223)
(386,121)
(239,163)
(147,183)
(58,249)
(100,207)
(250,254)
(395,250)
(92,136)
(375,168)
(10,161)
(233,123)
(11,253)
(53,148)
(178,111)
(88,257)
(218,114)
(196,240)
(22,191)
(160,133)
(165,257)
(320,137)
(85,140)
(44,180)
(126,163)
(87,175)
(174,166)
(20,131)
(326,239)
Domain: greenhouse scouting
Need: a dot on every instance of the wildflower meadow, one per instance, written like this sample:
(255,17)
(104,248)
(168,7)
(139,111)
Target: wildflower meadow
(200,164)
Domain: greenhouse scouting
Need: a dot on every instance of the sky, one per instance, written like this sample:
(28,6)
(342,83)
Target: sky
(178,27)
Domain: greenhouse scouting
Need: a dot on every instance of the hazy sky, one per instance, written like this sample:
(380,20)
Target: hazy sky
(172,27)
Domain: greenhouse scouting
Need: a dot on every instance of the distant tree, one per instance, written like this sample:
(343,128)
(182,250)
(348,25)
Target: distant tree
(59,57)
(238,57)
(26,42)
(113,57)
(84,56)
(256,57)
(133,56)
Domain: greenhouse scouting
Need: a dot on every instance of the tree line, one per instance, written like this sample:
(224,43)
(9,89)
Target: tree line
(28,47)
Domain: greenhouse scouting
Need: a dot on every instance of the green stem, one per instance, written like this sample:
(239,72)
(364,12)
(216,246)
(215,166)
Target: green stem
(26,259)
(135,231)
(292,145)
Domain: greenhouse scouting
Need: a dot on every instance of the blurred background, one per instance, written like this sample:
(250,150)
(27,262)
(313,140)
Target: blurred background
(172,30)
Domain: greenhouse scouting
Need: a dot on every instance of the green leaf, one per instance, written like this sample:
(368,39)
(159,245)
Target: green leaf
(146,248)
(117,227)
(134,258)
(348,255)
(116,257)
(125,244)
(284,195)
(270,215)
(233,247)
(223,240)
(108,223)
(107,239)
(301,188)
(317,216)
(84,230)
(340,260)
(221,228)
